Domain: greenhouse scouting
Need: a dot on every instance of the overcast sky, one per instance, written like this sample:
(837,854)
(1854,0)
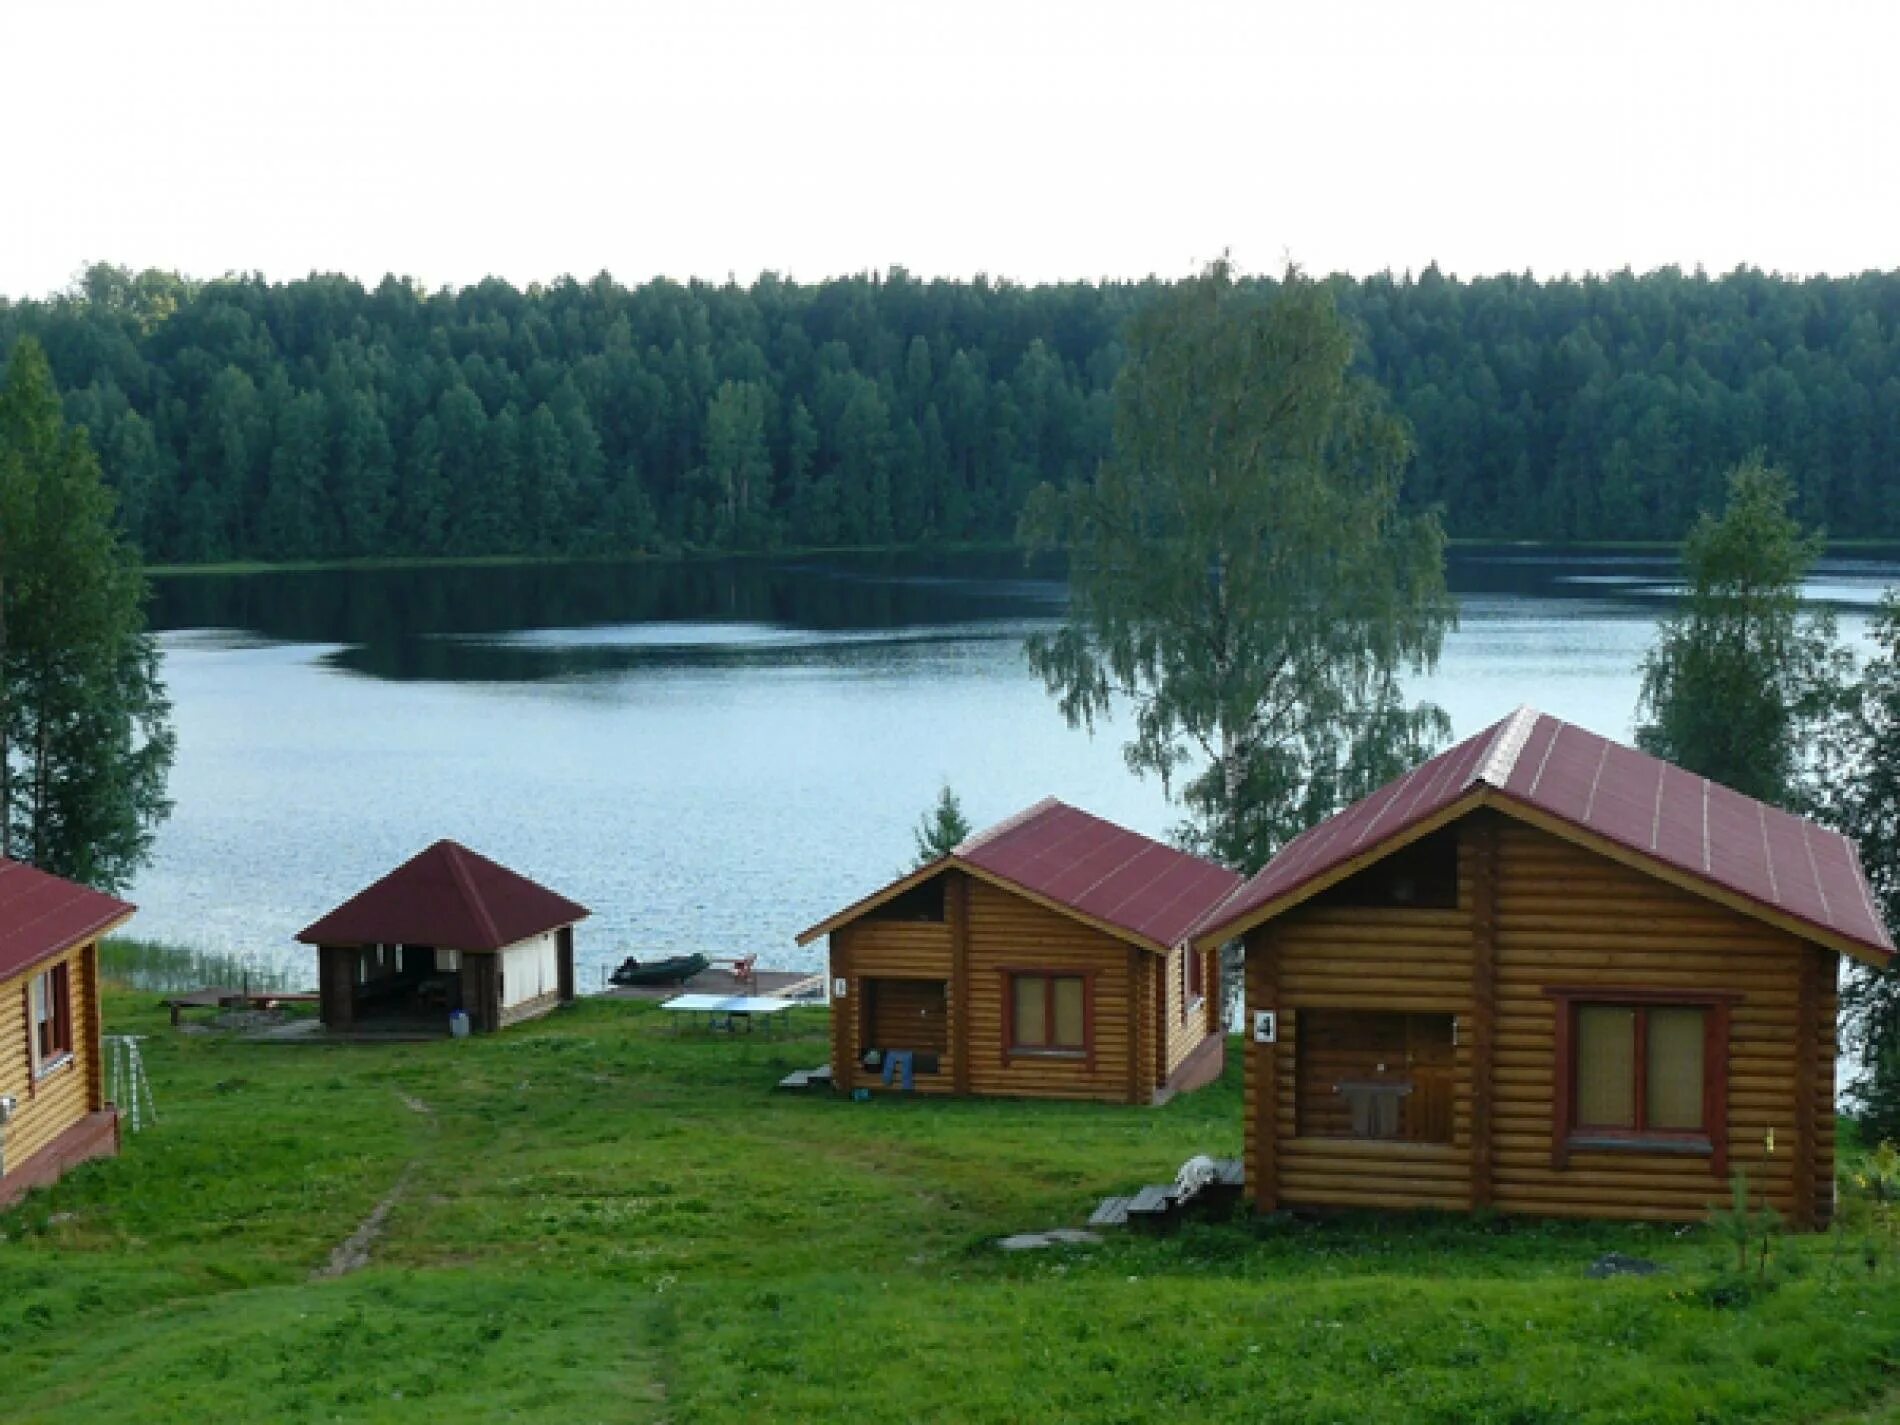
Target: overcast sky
(449,141)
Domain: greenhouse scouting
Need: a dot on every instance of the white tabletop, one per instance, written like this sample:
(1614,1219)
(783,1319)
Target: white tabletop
(729,1004)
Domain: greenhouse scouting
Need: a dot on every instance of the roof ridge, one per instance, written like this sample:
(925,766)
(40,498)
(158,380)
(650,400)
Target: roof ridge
(454,851)
(1008,823)
(1507,744)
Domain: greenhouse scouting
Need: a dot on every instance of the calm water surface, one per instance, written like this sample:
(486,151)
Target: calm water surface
(713,755)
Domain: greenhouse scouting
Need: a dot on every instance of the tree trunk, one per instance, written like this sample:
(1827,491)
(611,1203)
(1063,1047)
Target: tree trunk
(41,778)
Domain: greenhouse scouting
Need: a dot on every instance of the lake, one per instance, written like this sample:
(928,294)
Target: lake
(712,755)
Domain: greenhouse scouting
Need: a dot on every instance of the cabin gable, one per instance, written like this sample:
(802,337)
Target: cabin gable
(1579,933)
(1428,1056)
(1005,996)
(1013,939)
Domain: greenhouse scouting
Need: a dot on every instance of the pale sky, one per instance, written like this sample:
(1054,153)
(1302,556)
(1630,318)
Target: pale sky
(1037,141)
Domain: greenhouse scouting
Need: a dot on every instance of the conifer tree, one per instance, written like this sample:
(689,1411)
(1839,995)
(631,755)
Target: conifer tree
(942,829)
(85,736)
(1741,676)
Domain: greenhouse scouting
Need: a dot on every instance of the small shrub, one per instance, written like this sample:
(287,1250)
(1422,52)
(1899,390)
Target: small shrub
(1870,1202)
(1745,1226)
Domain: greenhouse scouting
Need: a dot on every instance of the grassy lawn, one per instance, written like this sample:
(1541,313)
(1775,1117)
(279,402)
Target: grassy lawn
(594,1220)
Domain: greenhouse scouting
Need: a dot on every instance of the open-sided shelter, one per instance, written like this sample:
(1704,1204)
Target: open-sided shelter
(1041,958)
(53,1112)
(1547,974)
(446,930)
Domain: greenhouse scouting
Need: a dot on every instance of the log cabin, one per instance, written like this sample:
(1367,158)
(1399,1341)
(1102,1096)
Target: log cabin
(1042,958)
(447,930)
(1546,974)
(53,1109)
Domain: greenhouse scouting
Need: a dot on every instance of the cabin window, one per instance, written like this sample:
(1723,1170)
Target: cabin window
(1049,1014)
(1375,1074)
(52,1005)
(922,902)
(1192,988)
(1421,876)
(1640,1068)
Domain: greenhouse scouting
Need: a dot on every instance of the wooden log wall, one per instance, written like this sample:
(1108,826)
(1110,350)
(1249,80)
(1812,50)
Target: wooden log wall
(1551,915)
(873,949)
(1260,1072)
(1184,1031)
(1008,932)
(1568,917)
(1824,1055)
(1336,956)
(52,1104)
(908,1014)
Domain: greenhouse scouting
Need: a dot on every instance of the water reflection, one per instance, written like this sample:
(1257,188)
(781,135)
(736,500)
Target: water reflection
(529,623)
(713,754)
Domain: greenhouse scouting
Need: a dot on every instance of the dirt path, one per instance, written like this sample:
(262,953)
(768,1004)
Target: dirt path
(352,1253)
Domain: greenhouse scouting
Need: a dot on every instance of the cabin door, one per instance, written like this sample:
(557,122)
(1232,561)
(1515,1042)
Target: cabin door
(1375,1074)
(1431,1062)
(906,1014)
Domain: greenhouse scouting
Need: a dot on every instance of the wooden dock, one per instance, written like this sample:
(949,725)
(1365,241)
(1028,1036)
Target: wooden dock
(717,980)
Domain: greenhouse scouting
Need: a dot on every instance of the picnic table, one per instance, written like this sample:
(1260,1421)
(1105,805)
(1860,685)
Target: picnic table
(728,1012)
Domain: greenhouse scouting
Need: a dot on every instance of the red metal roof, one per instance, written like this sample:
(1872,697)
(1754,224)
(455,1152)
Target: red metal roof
(1120,880)
(1106,872)
(42,915)
(1687,823)
(449,897)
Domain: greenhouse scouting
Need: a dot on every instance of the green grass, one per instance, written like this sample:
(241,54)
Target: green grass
(603,1222)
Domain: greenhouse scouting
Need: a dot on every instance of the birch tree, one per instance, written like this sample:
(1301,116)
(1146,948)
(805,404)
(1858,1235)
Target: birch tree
(1245,583)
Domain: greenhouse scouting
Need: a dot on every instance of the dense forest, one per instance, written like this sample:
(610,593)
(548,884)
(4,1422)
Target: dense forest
(239,418)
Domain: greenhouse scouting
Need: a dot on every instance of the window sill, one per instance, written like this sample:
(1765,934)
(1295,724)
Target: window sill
(1074,1055)
(52,1066)
(1689,1145)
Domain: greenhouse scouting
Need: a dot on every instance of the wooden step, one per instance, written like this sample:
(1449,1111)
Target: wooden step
(1112,1213)
(802,1079)
(1153,1201)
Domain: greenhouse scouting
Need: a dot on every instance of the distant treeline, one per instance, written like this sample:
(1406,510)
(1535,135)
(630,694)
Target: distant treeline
(312,419)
